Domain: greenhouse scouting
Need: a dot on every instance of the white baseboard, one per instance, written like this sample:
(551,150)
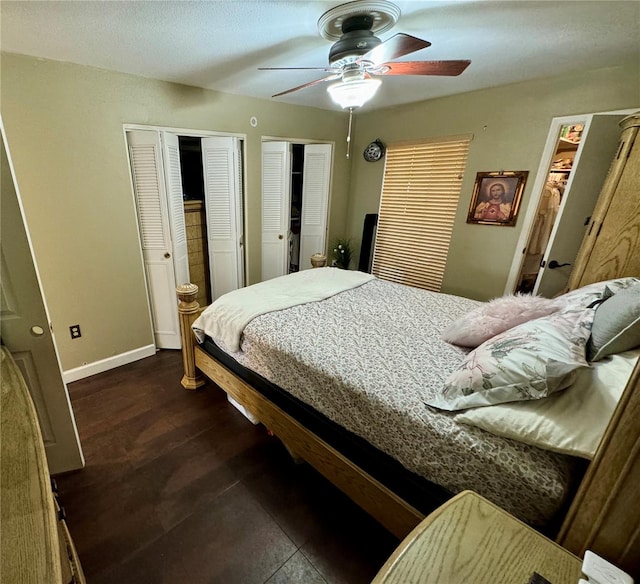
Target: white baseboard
(106,364)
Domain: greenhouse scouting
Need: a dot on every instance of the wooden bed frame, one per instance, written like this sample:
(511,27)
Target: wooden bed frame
(604,515)
(395,514)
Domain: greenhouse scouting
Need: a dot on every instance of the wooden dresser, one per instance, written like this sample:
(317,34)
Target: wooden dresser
(611,246)
(605,515)
(35,546)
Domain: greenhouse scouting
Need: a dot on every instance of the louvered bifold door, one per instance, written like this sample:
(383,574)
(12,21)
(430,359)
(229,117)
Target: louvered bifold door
(420,193)
(315,201)
(175,205)
(145,156)
(220,162)
(276,202)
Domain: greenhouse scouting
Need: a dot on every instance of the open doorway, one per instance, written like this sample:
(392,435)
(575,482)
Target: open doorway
(549,205)
(297,177)
(575,161)
(195,218)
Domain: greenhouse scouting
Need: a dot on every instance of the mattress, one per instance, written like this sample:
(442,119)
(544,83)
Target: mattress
(368,358)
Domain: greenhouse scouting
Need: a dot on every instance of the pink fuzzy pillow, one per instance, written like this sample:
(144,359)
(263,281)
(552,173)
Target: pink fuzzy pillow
(496,316)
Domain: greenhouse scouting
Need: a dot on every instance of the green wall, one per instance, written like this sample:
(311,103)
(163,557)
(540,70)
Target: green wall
(64,125)
(509,126)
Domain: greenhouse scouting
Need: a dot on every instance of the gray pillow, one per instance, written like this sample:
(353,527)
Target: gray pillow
(616,325)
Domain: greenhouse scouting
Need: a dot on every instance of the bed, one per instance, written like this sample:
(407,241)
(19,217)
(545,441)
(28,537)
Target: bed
(348,382)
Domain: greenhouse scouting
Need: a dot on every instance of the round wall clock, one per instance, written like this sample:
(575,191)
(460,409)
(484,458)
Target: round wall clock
(374,151)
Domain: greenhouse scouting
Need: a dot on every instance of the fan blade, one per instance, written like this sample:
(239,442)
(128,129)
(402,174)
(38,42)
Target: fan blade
(397,46)
(330,78)
(448,68)
(328,69)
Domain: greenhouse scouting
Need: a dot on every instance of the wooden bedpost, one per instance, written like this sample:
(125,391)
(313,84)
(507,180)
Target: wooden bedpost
(188,311)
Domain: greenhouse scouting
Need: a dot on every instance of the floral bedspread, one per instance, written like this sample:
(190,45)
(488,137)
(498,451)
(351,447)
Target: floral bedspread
(368,358)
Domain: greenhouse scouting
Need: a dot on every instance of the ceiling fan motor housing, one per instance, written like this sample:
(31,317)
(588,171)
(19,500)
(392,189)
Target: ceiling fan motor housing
(356,40)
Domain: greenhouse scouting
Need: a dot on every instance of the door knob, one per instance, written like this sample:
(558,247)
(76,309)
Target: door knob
(281,236)
(553,264)
(37,331)
(167,254)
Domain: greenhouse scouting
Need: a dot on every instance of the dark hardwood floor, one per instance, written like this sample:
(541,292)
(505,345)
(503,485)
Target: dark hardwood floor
(179,487)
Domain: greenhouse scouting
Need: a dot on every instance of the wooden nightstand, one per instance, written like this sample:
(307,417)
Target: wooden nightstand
(469,540)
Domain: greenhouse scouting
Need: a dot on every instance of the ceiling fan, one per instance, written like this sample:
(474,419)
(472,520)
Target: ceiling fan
(359,57)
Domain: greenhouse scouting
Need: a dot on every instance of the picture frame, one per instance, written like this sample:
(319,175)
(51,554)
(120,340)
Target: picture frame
(496,197)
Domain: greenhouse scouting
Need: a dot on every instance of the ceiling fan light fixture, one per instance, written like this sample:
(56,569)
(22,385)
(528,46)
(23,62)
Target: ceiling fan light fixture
(353,93)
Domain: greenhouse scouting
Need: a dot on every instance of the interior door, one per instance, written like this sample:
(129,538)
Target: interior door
(221,164)
(592,161)
(315,201)
(175,207)
(145,155)
(27,334)
(276,203)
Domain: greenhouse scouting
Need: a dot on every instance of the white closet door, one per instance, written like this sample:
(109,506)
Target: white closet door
(276,202)
(598,146)
(175,199)
(145,156)
(315,201)
(221,166)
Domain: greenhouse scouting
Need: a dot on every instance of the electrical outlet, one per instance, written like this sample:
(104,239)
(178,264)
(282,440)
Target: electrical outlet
(74,329)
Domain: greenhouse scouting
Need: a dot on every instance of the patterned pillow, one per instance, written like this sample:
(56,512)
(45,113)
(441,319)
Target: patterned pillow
(581,297)
(530,361)
(496,316)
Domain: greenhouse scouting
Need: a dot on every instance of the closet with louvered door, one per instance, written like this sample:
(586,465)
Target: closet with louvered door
(611,246)
(213,242)
(295,205)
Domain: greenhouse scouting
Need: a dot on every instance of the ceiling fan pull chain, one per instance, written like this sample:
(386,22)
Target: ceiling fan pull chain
(349,132)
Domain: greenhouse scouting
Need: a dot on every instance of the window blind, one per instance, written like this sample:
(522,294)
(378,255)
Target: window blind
(420,193)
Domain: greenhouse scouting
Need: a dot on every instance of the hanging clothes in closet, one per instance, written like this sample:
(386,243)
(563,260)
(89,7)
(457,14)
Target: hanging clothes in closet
(547,212)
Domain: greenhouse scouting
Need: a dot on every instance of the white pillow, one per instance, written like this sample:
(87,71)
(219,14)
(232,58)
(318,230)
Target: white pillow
(570,422)
(496,316)
(529,361)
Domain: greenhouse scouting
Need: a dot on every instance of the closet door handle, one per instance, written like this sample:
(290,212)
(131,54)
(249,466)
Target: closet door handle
(167,254)
(281,236)
(553,264)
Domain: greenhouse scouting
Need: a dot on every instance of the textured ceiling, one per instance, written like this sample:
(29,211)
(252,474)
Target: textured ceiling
(220,44)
